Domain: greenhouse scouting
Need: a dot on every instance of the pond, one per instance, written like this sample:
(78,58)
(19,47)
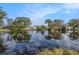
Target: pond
(36,43)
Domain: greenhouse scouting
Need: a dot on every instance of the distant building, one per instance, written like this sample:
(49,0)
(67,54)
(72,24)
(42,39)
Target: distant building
(69,28)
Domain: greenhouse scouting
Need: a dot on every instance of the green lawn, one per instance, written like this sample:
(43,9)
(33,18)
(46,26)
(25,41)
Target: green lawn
(4,30)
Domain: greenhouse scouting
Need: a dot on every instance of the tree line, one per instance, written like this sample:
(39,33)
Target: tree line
(55,28)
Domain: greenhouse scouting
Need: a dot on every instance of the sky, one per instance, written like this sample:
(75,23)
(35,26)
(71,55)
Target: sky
(39,12)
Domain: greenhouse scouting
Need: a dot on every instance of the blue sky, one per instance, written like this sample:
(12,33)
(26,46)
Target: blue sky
(38,13)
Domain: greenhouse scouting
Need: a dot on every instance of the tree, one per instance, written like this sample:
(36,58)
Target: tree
(18,28)
(57,26)
(63,29)
(50,25)
(9,22)
(74,23)
(41,28)
(2,16)
(2,13)
(22,21)
(57,23)
(49,22)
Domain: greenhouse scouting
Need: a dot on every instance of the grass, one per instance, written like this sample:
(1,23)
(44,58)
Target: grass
(4,30)
(58,52)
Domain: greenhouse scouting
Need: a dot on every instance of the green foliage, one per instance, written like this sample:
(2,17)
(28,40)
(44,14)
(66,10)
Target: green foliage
(49,36)
(40,28)
(18,29)
(63,29)
(2,13)
(2,16)
(22,22)
(54,28)
(4,30)
(50,23)
(76,35)
(21,36)
(74,23)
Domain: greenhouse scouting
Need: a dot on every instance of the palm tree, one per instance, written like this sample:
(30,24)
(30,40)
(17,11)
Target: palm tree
(2,15)
(57,26)
(57,23)
(74,23)
(18,28)
(50,25)
(22,21)
(49,22)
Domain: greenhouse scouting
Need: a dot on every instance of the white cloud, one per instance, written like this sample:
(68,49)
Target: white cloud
(38,11)
(71,6)
(41,12)
(67,12)
(48,9)
(37,14)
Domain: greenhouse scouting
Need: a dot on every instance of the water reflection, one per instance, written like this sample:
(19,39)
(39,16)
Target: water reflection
(2,48)
(36,43)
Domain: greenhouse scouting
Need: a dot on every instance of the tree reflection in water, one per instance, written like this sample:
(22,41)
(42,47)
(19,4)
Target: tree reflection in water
(2,48)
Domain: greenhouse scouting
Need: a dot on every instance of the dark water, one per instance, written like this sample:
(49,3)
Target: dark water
(36,44)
